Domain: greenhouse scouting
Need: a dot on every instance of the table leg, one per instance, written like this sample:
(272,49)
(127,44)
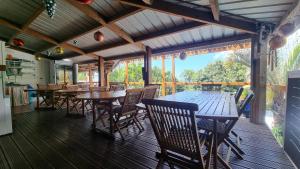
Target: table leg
(53,101)
(82,104)
(215,147)
(68,110)
(37,101)
(94,115)
(111,119)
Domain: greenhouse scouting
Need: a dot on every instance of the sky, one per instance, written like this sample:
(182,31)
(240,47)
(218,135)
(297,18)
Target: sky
(195,62)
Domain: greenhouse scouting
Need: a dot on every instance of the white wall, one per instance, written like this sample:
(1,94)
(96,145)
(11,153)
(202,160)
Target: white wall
(42,69)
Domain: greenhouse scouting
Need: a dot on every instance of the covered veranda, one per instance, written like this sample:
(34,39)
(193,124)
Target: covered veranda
(74,52)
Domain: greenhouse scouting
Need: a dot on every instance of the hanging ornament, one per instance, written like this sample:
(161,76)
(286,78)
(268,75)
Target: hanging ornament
(9,57)
(59,50)
(85,1)
(18,42)
(50,6)
(182,55)
(98,36)
(287,29)
(75,42)
(277,42)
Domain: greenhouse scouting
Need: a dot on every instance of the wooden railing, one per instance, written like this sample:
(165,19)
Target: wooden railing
(173,85)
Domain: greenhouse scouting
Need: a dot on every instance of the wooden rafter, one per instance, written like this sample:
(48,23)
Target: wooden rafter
(195,14)
(43,37)
(28,22)
(175,49)
(149,36)
(122,15)
(92,13)
(214,5)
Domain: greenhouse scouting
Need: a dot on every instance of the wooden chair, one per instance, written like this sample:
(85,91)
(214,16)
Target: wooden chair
(45,95)
(149,92)
(211,87)
(176,132)
(99,88)
(116,87)
(224,128)
(125,113)
(238,94)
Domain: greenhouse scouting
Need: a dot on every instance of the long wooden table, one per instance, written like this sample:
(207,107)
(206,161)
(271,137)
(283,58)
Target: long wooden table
(211,105)
(95,97)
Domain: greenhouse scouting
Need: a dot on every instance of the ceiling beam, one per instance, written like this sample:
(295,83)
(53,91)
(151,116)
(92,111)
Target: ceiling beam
(178,48)
(121,15)
(153,35)
(43,37)
(92,13)
(195,15)
(28,22)
(214,5)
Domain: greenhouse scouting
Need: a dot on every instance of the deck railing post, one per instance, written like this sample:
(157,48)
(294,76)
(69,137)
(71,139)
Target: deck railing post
(173,75)
(126,74)
(163,75)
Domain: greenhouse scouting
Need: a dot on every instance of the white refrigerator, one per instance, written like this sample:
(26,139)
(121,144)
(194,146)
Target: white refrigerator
(5,110)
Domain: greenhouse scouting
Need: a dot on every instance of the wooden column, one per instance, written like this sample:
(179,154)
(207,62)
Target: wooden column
(173,75)
(101,72)
(65,81)
(258,79)
(147,66)
(90,75)
(163,76)
(126,74)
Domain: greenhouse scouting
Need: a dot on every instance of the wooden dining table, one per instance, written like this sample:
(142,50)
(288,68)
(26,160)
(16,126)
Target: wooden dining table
(216,106)
(70,93)
(109,97)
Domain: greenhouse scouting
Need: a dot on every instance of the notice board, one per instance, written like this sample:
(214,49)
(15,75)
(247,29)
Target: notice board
(292,118)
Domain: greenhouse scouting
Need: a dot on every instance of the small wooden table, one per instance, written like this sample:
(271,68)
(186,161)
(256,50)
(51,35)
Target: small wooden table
(211,105)
(43,92)
(95,97)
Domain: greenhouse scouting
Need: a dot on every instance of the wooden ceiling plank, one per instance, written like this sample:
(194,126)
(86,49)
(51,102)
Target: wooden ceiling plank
(214,5)
(28,22)
(92,13)
(44,37)
(195,15)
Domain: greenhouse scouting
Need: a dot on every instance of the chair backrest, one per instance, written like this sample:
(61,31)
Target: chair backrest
(116,87)
(230,123)
(100,88)
(238,94)
(211,87)
(133,97)
(84,86)
(42,86)
(174,126)
(150,92)
(72,87)
(54,86)
(249,98)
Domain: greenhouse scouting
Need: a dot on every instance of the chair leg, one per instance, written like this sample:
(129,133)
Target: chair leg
(233,150)
(207,164)
(235,146)
(160,162)
(236,135)
(137,122)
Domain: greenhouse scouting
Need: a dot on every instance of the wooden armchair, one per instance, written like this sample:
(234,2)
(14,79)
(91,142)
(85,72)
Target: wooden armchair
(149,92)
(176,132)
(125,113)
(238,94)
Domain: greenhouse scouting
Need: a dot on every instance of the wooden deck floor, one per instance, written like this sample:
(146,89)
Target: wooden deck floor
(50,140)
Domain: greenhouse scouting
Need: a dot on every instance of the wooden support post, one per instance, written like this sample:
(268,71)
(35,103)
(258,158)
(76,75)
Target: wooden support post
(147,65)
(107,78)
(90,76)
(173,75)
(258,80)
(65,81)
(101,72)
(126,74)
(163,75)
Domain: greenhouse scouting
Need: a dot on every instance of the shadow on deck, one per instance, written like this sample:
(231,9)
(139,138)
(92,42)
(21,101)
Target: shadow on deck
(50,140)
